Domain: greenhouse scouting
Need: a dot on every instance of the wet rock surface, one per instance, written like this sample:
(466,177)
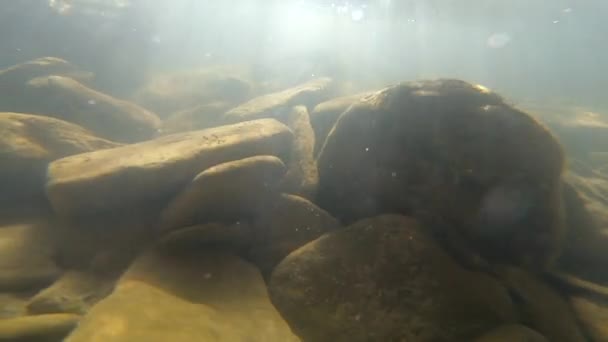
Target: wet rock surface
(74,292)
(276,105)
(43,328)
(204,296)
(111,118)
(28,143)
(449,151)
(167,93)
(593,314)
(385,279)
(325,114)
(234,190)
(284,225)
(302,176)
(27,256)
(158,168)
(199,117)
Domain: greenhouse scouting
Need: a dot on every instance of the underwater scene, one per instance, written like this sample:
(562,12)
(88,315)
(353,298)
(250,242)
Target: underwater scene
(303,170)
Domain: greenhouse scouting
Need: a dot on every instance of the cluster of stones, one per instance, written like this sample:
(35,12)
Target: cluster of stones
(206,207)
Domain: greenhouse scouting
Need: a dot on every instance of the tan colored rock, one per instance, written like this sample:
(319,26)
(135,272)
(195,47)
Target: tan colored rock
(512,332)
(302,177)
(542,307)
(174,91)
(284,225)
(40,328)
(156,169)
(200,117)
(14,78)
(13,304)
(28,143)
(231,190)
(385,279)
(593,315)
(451,151)
(26,256)
(325,114)
(108,117)
(207,296)
(75,292)
(276,105)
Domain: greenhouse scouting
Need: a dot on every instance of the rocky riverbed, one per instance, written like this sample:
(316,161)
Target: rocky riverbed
(208,207)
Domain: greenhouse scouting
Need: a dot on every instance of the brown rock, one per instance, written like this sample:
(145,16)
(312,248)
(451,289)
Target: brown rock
(593,315)
(155,170)
(231,190)
(302,176)
(26,256)
(325,115)
(541,307)
(207,296)
(451,151)
(28,143)
(75,292)
(385,279)
(276,105)
(512,332)
(284,225)
(13,304)
(40,328)
(236,235)
(200,117)
(170,92)
(108,117)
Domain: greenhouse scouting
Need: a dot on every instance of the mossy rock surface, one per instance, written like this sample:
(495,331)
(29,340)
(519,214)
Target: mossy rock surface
(385,279)
(39,328)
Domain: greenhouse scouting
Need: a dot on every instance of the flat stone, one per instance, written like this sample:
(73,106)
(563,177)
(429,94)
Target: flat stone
(156,169)
(541,306)
(231,190)
(276,105)
(449,151)
(74,292)
(170,92)
(302,176)
(14,77)
(26,256)
(207,296)
(385,279)
(195,118)
(106,116)
(12,304)
(42,328)
(28,143)
(284,225)
(593,315)
(512,332)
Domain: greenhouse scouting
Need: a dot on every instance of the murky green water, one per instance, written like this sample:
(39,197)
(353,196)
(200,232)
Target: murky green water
(304,170)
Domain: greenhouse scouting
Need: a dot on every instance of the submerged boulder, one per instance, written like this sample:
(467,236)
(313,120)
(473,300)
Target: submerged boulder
(75,292)
(593,315)
(276,105)
(453,151)
(27,256)
(174,91)
(302,177)
(283,226)
(28,143)
(157,169)
(43,328)
(207,296)
(325,114)
(191,119)
(385,279)
(111,118)
(232,190)
(512,332)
